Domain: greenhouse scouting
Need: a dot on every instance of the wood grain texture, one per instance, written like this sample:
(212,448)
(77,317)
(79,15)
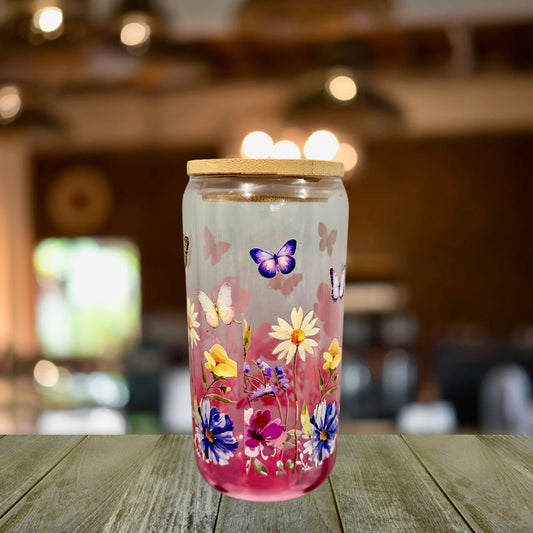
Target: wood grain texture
(261,167)
(380,485)
(82,491)
(488,478)
(313,512)
(168,494)
(25,461)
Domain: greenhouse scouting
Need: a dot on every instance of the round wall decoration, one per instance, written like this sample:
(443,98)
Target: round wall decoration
(79,201)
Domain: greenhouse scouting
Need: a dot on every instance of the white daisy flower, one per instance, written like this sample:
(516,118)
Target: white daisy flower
(296,337)
(192,323)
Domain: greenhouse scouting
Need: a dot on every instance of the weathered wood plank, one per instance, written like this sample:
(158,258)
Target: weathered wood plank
(26,460)
(520,447)
(313,512)
(489,479)
(168,494)
(82,491)
(380,485)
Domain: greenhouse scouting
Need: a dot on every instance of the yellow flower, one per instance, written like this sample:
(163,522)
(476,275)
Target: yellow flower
(295,337)
(333,356)
(219,363)
(192,323)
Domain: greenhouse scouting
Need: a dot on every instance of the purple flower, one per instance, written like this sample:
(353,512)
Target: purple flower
(246,368)
(267,371)
(214,434)
(262,434)
(264,390)
(324,426)
(282,379)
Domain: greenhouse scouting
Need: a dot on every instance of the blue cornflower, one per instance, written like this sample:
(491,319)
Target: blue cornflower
(324,426)
(214,434)
(264,368)
(282,379)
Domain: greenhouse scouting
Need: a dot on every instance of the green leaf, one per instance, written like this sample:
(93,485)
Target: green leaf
(305,420)
(246,340)
(220,398)
(293,434)
(259,467)
(321,379)
(195,408)
(204,381)
(331,391)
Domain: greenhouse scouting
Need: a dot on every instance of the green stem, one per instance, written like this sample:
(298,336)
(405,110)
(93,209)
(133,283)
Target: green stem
(296,410)
(210,387)
(325,387)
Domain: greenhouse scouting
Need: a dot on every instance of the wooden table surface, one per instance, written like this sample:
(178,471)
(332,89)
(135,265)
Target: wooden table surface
(380,483)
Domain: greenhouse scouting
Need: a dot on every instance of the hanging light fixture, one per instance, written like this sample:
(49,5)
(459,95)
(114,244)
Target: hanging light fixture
(137,24)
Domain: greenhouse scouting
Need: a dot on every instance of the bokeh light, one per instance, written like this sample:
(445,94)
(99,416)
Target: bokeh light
(10,103)
(135,31)
(321,144)
(342,88)
(46,373)
(348,155)
(285,150)
(257,145)
(48,19)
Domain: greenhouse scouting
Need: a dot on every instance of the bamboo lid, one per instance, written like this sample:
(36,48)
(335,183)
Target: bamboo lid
(265,167)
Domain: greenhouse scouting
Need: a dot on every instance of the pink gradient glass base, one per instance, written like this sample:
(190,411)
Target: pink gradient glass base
(232,482)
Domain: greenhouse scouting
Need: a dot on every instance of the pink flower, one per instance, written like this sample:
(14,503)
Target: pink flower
(263,435)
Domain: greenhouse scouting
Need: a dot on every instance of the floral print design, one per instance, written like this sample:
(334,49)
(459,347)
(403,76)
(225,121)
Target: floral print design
(214,434)
(332,356)
(262,434)
(219,363)
(192,323)
(287,425)
(295,337)
(323,431)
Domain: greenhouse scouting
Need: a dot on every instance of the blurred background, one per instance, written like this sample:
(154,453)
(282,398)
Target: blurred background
(428,103)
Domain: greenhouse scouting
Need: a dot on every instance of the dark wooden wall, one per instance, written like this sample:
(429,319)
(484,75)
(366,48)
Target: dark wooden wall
(451,217)
(147,188)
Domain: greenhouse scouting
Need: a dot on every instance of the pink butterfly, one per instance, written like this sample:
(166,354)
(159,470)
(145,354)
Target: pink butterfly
(327,240)
(223,309)
(214,249)
(285,284)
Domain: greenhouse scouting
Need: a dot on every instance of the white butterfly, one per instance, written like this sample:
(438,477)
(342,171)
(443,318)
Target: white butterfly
(223,309)
(337,284)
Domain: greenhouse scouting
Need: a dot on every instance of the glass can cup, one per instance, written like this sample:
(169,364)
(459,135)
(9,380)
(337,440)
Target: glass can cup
(265,259)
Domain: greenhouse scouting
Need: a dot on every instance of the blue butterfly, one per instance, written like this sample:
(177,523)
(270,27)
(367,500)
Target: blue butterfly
(269,263)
